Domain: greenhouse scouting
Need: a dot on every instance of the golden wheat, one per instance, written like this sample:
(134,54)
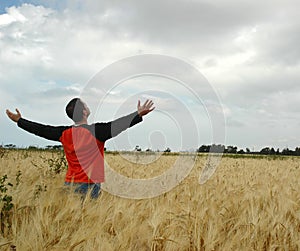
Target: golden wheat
(248,204)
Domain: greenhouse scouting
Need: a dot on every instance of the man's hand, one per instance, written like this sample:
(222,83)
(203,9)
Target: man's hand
(145,108)
(14,116)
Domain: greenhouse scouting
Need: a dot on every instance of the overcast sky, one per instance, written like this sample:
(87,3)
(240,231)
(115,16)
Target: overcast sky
(248,51)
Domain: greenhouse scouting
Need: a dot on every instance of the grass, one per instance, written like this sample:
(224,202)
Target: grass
(248,204)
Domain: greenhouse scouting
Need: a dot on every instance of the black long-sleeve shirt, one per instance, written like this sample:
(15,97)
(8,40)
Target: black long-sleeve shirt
(83,144)
(102,131)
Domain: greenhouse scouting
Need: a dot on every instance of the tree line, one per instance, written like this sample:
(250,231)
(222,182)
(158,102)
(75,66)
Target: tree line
(234,150)
(214,148)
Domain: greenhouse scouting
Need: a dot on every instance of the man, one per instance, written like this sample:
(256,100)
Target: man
(83,143)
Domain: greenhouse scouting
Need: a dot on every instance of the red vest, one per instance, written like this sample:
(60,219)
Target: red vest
(85,156)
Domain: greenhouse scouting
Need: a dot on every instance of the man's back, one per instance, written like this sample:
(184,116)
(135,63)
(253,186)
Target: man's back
(84,153)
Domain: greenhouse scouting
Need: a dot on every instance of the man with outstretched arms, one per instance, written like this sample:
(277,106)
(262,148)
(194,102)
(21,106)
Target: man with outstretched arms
(83,143)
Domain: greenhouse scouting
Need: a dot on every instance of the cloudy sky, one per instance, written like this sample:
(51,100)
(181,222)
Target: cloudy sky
(248,52)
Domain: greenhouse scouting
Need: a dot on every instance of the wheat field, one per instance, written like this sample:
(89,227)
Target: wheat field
(248,204)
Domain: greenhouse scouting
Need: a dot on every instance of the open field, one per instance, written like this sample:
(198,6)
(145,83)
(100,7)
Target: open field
(248,204)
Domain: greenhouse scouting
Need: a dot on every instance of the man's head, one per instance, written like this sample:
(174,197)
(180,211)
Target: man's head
(77,110)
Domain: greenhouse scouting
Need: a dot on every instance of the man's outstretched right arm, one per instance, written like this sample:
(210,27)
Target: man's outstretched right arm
(44,131)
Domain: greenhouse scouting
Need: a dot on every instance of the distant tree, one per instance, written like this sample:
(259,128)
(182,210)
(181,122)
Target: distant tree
(265,151)
(203,149)
(231,149)
(287,151)
(32,148)
(168,150)
(137,148)
(148,150)
(54,147)
(297,151)
(57,147)
(277,151)
(216,148)
(248,150)
(272,151)
(10,146)
(241,151)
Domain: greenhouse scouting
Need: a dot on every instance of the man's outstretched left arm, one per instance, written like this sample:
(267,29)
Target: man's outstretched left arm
(105,131)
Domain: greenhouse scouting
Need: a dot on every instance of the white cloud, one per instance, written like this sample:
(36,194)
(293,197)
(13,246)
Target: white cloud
(12,15)
(6,19)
